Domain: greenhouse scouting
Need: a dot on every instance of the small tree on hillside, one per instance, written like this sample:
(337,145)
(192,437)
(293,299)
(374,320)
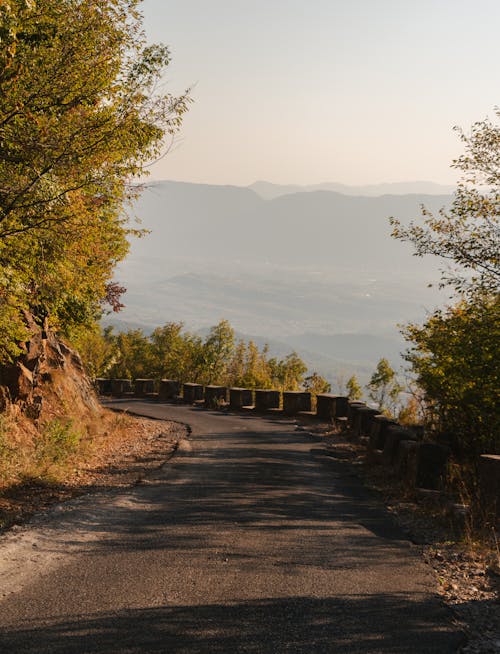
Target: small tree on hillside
(467,235)
(288,373)
(455,353)
(316,384)
(218,350)
(354,390)
(383,387)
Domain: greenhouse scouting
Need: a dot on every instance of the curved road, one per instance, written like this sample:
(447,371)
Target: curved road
(249,540)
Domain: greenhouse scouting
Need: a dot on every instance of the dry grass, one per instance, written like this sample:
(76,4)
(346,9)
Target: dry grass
(62,457)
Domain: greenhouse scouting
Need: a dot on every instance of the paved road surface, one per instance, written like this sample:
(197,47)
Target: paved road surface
(249,540)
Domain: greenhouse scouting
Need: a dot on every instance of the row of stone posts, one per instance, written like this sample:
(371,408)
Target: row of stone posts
(402,451)
(291,403)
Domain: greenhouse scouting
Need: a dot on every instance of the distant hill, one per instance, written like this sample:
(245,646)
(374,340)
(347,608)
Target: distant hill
(269,191)
(317,271)
(234,225)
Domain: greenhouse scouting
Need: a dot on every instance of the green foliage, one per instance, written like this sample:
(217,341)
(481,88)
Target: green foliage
(316,384)
(354,390)
(250,367)
(288,373)
(217,352)
(383,387)
(57,442)
(455,353)
(173,353)
(132,353)
(466,235)
(7,451)
(455,356)
(79,119)
(95,349)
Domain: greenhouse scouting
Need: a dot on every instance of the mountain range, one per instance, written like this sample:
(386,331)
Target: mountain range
(269,191)
(314,270)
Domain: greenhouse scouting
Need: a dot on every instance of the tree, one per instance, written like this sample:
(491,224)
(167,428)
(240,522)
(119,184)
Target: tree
(257,370)
(133,355)
(288,373)
(383,387)
(353,388)
(97,349)
(80,118)
(176,354)
(454,354)
(217,352)
(316,384)
(466,235)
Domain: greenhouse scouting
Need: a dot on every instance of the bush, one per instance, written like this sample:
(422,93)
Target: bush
(455,356)
(57,442)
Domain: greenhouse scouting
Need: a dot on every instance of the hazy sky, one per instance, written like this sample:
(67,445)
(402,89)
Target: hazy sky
(352,91)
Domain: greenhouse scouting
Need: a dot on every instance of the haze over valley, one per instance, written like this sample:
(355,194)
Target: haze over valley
(311,270)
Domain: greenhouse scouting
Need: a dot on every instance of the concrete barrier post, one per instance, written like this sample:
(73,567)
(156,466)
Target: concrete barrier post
(325,406)
(395,435)
(215,394)
(431,465)
(352,408)
(240,397)
(119,387)
(143,387)
(403,462)
(341,406)
(192,392)
(296,401)
(169,389)
(489,484)
(363,419)
(103,386)
(426,465)
(378,432)
(267,399)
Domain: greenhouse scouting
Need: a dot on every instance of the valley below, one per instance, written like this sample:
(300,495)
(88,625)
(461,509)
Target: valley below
(312,271)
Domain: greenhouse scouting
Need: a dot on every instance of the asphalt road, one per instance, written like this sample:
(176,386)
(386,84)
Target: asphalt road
(250,539)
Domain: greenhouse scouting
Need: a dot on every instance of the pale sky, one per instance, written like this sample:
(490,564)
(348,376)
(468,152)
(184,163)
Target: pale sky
(303,92)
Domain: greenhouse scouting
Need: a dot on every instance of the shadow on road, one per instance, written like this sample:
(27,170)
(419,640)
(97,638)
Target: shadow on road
(257,483)
(293,625)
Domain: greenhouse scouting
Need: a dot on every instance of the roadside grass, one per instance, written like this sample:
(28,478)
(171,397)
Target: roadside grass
(58,458)
(51,454)
(45,455)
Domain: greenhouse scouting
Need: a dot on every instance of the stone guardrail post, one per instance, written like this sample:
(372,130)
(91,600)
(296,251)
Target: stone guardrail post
(325,406)
(192,392)
(143,387)
(341,406)
(426,465)
(489,484)
(120,387)
(395,435)
(378,433)
(362,421)
(267,399)
(103,386)
(214,394)
(240,397)
(169,389)
(296,401)
(352,407)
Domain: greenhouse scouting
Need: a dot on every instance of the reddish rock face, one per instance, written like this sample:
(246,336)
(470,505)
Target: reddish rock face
(46,375)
